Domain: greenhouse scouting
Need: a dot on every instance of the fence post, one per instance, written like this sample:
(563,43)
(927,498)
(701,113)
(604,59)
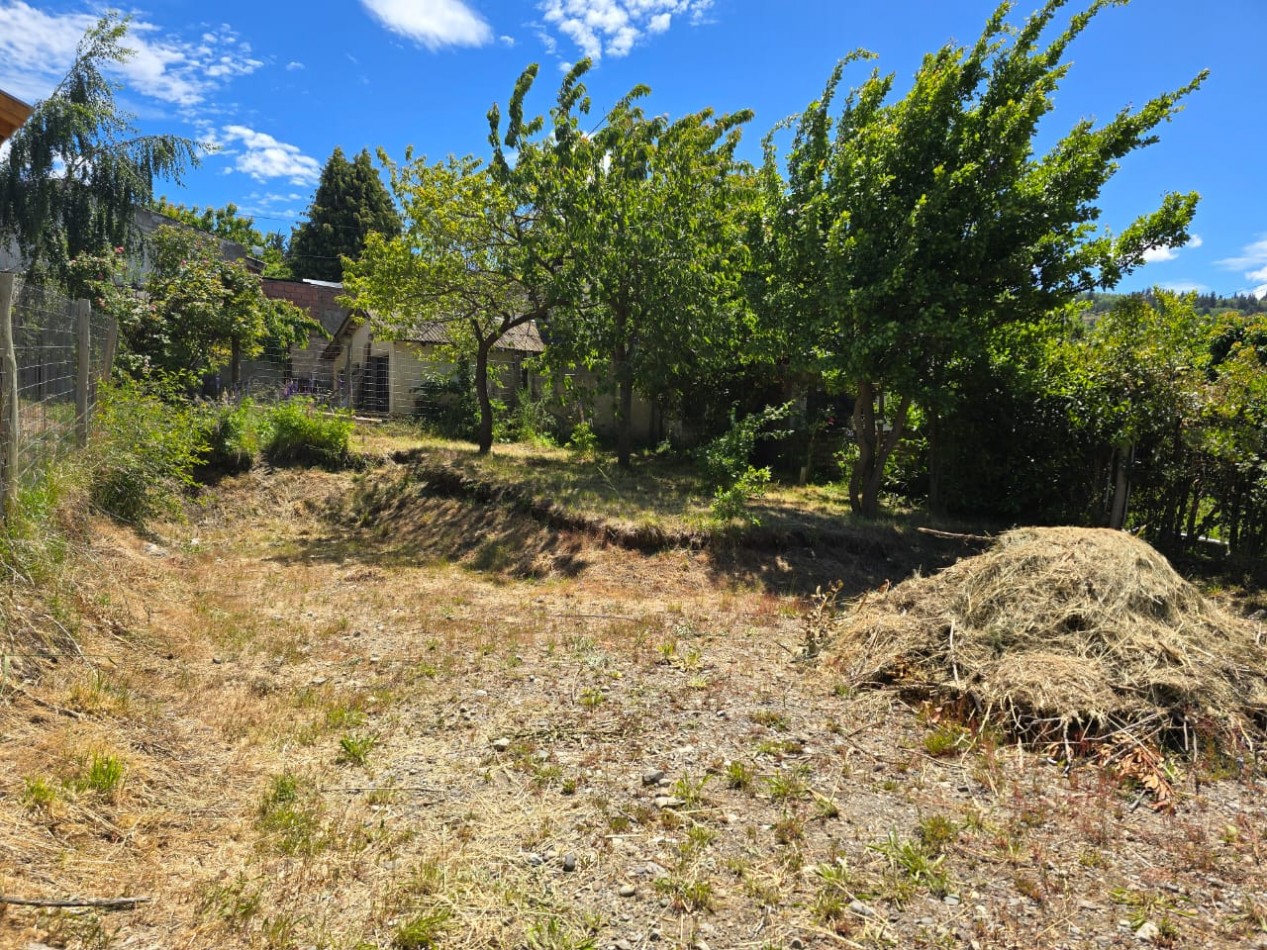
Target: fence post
(111,344)
(83,350)
(9,417)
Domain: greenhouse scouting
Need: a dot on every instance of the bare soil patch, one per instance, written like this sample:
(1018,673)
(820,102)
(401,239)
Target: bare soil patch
(342,735)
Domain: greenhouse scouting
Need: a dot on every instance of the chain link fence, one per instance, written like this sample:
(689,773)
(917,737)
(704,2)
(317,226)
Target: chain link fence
(54,353)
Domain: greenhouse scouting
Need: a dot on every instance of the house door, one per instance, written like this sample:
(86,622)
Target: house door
(377,396)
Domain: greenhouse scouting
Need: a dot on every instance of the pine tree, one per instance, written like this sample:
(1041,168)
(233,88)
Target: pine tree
(350,204)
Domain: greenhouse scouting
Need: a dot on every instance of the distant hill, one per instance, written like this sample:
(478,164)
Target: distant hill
(1205,303)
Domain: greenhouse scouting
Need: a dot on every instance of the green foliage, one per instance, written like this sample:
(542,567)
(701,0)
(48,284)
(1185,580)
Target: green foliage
(75,171)
(204,312)
(906,232)
(583,443)
(102,776)
(289,816)
(143,455)
(913,864)
(355,749)
(302,433)
(350,205)
(422,931)
(727,461)
(233,435)
(229,224)
(446,404)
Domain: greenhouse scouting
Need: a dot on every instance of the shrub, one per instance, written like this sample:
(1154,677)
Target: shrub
(583,443)
(446,404)
(144,455)
(301,434)
(727,461)
(233,436)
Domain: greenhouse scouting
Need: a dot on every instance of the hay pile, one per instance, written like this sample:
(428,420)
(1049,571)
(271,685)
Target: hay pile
(1066,633)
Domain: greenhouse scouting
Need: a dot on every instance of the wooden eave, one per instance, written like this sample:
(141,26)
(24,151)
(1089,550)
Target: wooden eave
(13,112)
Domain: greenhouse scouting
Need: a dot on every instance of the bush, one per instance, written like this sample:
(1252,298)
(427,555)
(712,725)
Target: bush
(529,421)
(446,404)
(143,458)
(583,443)
(727,461)
(234,435)
(301,434)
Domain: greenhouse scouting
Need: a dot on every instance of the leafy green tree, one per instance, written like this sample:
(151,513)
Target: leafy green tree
(911,230)
(652,211)
(76,170)
(202,312)
(230,224)
(465,259)
(350,204)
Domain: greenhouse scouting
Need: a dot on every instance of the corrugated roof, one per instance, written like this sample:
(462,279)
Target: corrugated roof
(524,338)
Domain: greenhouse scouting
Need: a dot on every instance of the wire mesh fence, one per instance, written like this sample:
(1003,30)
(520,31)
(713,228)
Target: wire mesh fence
(54,352)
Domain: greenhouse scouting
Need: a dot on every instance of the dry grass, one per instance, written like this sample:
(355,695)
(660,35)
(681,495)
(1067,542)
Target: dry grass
(1067,633)
(249,644)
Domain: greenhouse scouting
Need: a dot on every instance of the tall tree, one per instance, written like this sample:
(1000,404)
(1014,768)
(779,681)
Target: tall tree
(77,170)
(914,228)
(652,209)
(350,204)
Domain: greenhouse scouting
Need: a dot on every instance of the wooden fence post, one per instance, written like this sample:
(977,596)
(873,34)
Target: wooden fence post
(83,352)
(8,394)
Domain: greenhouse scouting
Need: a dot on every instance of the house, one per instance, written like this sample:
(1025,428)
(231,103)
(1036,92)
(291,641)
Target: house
(13,112)
(304,368)
(384,376)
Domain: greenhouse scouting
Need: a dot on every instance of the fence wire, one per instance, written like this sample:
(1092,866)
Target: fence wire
(45,343)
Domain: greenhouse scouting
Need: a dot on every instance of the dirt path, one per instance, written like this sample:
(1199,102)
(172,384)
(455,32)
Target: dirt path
(325,736)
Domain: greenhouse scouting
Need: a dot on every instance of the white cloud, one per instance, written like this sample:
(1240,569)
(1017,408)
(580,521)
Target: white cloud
(1158,255)
(264,158)
(294,65)
(433,23)
(37,47)
(1186,287)
(1252,261)
(614,27)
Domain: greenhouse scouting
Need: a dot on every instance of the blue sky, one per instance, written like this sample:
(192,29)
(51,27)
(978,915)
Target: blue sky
(277,85)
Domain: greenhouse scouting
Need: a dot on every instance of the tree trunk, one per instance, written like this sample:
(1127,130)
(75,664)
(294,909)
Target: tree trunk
(624,402)
(484,435)
(936,497)
(1122,487)
(874,449)
(235,362)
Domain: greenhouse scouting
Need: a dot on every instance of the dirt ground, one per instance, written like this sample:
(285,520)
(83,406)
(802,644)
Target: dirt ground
(452,727)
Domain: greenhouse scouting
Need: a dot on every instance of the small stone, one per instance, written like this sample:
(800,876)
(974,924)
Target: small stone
(654,936)
(481,693)
(627,890)
(951,899)
(502,744)
(861,909)
(535,860)
(652,777)
(622,945)
(700,945)
(1148,932)
(796,943)
(318,681)
(668,801)
(569,863)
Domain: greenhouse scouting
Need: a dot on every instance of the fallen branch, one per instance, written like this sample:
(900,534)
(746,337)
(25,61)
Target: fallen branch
(106,903)
(955,536)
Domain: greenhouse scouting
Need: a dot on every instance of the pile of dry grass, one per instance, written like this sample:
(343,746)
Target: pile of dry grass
(1067,633)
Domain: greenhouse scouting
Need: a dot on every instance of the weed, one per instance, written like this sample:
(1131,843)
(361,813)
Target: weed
(691,791)
(819,621)
(301,434)
(1030,888)
(422,931)
(910,863)
(690,894)
(739,776)
(788,785)
(551,934)
(771,719)
(936,832)
(235,904)
(355,749)
(38,794)
(591,697)
(789,829)
(289,816)
(947,738)
(103,775)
